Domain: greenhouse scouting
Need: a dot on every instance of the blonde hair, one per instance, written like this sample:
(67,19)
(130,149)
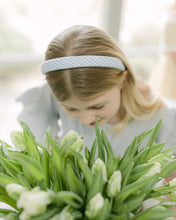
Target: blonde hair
(85,83)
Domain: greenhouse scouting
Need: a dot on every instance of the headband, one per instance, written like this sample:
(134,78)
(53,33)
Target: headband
(82,61)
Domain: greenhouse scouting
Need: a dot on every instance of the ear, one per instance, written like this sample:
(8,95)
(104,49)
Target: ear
(125,73)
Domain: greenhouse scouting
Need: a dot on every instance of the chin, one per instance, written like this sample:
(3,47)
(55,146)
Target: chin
(102,122)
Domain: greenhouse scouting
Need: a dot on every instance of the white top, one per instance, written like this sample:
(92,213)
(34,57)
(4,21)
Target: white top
(42,110)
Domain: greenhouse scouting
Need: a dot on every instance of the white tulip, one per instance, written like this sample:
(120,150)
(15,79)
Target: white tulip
(155,169)
(15,190)
(94,205)
(173,182)
(114,183)
(70,134)
(100,165)
(34,202)
(18,140)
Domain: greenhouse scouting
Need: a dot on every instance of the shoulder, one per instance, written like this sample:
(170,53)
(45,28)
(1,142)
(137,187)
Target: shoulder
(38,94)
(168,129)
(40,110)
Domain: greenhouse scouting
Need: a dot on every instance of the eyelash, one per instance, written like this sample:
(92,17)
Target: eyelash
(71,109)
(95,108)
(99,107)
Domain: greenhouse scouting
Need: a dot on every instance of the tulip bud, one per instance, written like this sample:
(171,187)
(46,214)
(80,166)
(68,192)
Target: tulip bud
(100,165)
(173,182)
(114,184)
(94,206)
(18,140)
(15,190)
(70,134)
(162,158)
(78,145)
(34,202)
(155,169)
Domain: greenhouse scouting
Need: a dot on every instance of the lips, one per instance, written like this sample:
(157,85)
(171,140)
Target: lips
(93,123)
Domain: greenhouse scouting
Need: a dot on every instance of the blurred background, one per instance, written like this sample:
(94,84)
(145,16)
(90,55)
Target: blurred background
(27,27)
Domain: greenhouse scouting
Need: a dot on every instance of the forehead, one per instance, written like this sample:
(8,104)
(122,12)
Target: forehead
(93,100)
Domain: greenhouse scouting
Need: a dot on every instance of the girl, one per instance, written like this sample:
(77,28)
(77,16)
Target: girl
(89,77)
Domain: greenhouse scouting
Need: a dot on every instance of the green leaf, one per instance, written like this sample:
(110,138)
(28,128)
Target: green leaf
(49,142)
(5,180)
(30,143)
(58,167)
(128,155)
(8,200)
(30,165)
(65,212)
(154,150)
(112,165)
(142,136)
(131,189)
(126,174)
(116,217)
(139,171)
(135,203)
(75,183)
(154,213)
(97,186)
(87,154)
(165,189)
(23,181)
(154,133)
(47,215)
(101,153)
(92,153)
(4,212)
(168,168)
(69,198)
(107,145)
(9,167)
(141,157)
(5,150)
(45,165)
(84,168)
(148,186)
(57,184)
(77,214)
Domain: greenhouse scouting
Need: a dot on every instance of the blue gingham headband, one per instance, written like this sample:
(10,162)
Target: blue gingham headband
(82,61)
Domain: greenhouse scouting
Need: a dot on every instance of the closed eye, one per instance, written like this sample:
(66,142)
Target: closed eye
(71,109)
(97,107)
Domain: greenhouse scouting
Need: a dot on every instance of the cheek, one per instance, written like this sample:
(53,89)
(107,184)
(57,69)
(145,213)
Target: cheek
(114,107)
(111,109)
(71,114)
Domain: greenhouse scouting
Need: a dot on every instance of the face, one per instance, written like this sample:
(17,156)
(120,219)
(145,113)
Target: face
(104,107)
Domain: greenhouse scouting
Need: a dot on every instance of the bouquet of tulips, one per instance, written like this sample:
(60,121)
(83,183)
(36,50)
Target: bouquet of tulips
(58,181)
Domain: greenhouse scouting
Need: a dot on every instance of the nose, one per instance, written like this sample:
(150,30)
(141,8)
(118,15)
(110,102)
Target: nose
(87,117)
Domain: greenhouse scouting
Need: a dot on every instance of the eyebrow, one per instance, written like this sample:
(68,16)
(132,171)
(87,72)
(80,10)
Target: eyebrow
(97,104)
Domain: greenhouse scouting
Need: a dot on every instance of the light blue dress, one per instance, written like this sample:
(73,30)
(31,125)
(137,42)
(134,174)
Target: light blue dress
(42,110)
